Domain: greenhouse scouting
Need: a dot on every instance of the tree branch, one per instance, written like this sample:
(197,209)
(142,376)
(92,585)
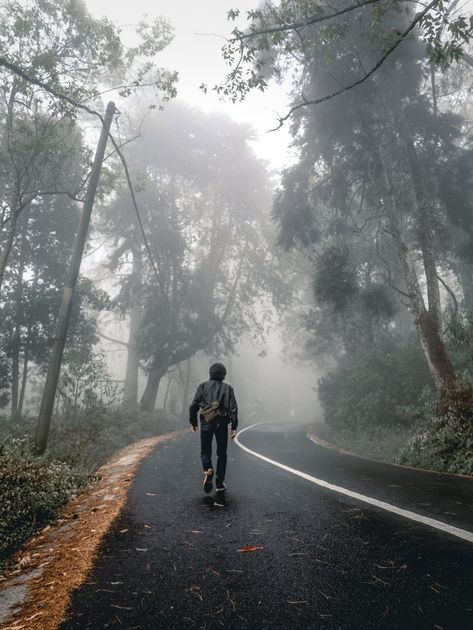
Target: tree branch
(121,343)
(418,18)
(454,298)
(294,26)
(15,69)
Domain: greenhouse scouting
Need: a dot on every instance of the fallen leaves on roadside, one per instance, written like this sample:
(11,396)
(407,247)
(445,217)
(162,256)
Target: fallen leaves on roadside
(249,548)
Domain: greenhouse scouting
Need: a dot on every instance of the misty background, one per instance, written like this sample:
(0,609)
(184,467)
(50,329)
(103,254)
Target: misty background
(286,188)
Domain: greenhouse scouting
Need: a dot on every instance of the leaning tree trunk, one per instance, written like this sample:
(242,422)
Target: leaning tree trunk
(426,322)
(426,233)
(427,325)
(130,392)
(148,400)
(7,246)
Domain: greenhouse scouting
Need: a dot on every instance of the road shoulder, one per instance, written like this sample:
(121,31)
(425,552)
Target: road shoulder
(54,563)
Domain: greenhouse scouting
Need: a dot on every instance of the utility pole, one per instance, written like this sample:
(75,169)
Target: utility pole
(54,368)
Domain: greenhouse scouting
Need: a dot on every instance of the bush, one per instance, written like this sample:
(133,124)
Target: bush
(440,441)
(380,386)
(31,493)
(88,440)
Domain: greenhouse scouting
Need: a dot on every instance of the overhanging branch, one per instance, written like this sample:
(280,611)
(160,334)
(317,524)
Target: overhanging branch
(349,86)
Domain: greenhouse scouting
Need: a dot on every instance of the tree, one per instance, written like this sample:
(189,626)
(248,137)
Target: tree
(61,46)
(279,29)
(203,202)
(364,168)
(32,293)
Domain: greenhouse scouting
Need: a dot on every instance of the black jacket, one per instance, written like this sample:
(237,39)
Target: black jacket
(207,393)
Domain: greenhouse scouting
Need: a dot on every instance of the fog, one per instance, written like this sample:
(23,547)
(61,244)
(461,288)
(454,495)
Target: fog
(285,192)
(236,286)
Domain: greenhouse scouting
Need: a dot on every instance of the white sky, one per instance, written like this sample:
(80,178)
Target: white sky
(195,54)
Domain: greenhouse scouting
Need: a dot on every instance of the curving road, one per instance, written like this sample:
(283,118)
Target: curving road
(322,559)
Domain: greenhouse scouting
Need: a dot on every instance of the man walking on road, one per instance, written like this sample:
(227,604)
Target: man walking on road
(218,408)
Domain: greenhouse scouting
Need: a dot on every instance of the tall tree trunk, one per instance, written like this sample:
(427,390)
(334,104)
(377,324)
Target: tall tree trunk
(130,392)
(427,325)
(15,378)
(18,323)
(168,389)
(426,321)
(148,400)
(24,379)
(424,219)
(185,382)
(7,246)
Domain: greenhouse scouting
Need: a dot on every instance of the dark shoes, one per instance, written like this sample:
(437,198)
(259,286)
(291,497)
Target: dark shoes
(208,477)
(220,495)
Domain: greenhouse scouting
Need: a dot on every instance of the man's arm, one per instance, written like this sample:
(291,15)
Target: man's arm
(194,408)
(233,410)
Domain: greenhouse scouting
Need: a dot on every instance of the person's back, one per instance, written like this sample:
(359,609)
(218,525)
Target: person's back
(218,408)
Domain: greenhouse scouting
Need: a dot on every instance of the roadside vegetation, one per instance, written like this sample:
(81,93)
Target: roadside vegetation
(379,205)
(33,489)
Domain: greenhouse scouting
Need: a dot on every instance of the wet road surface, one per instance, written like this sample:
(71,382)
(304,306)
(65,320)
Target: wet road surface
(172,559)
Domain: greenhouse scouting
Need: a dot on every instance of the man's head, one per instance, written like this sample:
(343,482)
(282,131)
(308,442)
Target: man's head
(217,372)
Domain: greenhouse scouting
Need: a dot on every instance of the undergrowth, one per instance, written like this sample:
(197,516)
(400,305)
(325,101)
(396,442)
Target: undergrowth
(33,489)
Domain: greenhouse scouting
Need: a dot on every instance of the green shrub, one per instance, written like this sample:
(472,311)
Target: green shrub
(442,442)
(375,387)
(31,493)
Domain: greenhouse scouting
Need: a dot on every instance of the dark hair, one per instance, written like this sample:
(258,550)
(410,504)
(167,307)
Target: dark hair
(217,372)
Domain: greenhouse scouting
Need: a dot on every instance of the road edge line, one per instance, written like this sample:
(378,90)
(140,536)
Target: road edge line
(388,507)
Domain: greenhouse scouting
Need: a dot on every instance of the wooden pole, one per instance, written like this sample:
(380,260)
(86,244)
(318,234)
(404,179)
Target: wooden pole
(49,394)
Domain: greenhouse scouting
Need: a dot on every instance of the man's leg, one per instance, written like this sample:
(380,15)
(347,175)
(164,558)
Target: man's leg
(221,435)
(206,437)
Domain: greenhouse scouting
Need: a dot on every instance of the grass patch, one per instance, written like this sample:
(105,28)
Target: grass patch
(383,443)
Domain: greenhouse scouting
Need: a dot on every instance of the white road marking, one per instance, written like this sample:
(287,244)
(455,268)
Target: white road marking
(413,516)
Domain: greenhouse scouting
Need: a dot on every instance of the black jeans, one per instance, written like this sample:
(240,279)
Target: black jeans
(207,432)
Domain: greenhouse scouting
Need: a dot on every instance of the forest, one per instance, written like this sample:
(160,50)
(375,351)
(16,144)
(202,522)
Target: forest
(360,251)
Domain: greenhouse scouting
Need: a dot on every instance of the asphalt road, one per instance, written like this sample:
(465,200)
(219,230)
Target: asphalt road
(172,559)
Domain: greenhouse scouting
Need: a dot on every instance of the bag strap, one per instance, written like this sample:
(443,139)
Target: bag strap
(219,391)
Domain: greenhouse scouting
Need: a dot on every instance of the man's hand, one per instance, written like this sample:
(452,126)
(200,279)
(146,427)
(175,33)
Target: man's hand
(193,429)
(233,433)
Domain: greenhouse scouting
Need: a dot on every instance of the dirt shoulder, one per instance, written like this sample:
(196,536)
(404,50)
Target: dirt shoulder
(56,561)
